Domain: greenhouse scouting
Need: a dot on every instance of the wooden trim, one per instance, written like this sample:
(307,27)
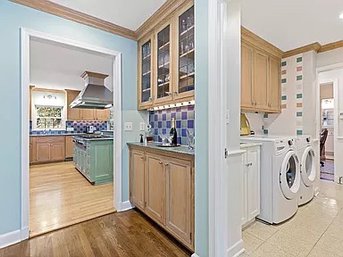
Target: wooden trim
(94,75)
(331,46)
(160,16)
(251,38)
(70,14)
(48,90)
(311,47)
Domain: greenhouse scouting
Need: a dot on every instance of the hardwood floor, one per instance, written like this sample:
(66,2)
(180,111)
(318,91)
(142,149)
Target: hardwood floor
(60,196)
(127,234)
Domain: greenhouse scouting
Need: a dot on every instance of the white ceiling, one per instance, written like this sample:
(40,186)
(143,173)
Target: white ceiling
(58,66)
(129,14)
(289,24)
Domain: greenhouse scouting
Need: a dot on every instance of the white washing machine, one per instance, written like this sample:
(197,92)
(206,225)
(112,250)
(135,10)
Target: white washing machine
(308,168)
(280,177)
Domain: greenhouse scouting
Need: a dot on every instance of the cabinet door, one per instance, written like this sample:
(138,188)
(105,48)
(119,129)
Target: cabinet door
(164,64)
(57,151)
(43,151)
(87,114)
(155,188)
(185,52)
(253,183)
(246,76)
(274,96)
(102,115)
(137,179)
(244,205)
(145,68)
(260,83)
(69,151)
(72,113)
(179,199)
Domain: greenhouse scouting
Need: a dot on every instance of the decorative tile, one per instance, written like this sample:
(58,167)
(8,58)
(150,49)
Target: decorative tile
(299,114)
(284,63)
(299,59)
(283,81)
(299,77)
(299,96)
(299,132)
(284,97)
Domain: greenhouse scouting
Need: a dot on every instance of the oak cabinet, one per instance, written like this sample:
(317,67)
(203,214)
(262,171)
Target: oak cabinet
(69,146)
(162,186)
(88,114)
(72,113)
(102,115)
(260,75)
(166,60)
(137,178)
(155,188)
(47,149)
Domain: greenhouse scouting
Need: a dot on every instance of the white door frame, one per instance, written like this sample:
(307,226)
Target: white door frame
(26,35)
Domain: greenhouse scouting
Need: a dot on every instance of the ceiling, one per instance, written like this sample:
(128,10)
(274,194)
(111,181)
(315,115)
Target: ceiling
(294,23)
(129,14)
(57,66)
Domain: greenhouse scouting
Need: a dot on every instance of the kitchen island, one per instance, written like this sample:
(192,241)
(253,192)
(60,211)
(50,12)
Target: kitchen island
(162,187)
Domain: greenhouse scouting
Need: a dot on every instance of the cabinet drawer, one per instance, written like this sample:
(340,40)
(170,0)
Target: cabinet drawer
(50,139)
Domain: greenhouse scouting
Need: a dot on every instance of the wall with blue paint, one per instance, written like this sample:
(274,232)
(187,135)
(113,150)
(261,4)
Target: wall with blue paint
(201,128)
(12,18)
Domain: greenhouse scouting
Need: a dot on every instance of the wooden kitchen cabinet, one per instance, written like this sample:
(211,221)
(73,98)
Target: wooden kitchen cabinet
(47,149)
(88,114)
(155,188)
(69,146)
(72,113)
(260,75)
(102,115)
(166,65)
(162,186)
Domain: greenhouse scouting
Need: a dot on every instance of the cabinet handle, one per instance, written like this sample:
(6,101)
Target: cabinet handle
(142,158)
(166,164)
(160,162)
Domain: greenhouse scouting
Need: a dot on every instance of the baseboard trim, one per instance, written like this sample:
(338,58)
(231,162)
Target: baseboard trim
(10,238)
(236,250)
(195,255)
(125,206)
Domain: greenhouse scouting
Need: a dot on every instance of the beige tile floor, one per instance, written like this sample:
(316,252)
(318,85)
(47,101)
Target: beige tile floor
(315,231)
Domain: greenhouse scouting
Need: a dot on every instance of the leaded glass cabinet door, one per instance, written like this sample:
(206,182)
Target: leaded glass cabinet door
(185,53)
(164,64)
(145,73)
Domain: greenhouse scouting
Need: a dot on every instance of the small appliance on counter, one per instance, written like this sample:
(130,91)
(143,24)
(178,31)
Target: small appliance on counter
(91,129)
(245,125)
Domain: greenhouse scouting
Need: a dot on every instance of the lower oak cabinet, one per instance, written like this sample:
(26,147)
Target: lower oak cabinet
(162,186)
(250,185)
(47,149)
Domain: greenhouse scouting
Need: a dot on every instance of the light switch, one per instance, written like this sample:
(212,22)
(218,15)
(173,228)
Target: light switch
(142,126)
(128,126)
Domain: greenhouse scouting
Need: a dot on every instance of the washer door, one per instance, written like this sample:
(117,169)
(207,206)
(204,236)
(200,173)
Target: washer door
(308,167)
(290,175)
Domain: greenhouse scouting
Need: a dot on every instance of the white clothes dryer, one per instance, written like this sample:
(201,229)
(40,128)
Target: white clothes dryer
(308,169)
(280,177)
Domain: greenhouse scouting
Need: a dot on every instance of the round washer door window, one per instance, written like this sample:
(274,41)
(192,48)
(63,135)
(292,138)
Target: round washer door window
(290,175)
(308,167)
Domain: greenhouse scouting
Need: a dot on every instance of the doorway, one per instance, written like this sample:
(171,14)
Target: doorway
(63,195)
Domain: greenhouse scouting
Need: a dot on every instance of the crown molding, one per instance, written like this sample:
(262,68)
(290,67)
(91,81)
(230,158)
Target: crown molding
(252,38)
(70,14)
(311,47)
(331,46)
(161,15)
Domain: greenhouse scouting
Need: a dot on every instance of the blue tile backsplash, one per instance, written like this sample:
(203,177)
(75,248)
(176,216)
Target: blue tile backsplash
(79,127)
(160,122)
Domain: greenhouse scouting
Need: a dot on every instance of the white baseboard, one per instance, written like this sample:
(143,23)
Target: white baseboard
(195,255)
(125,206)
(10,238)
(236,250)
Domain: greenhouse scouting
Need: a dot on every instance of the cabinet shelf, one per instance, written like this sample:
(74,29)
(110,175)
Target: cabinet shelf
(146,57)
(187,53)
(187,75)
(187,30)
(164,65)
(147,89)
(163,84)
(163,46)
(146,73)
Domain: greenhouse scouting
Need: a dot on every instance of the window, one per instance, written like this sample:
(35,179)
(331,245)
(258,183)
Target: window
(49,117)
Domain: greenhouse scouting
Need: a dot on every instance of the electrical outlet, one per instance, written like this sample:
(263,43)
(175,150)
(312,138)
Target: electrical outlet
(142,126)
(128,126)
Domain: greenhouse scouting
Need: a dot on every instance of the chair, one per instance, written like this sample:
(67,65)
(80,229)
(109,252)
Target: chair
(323,137)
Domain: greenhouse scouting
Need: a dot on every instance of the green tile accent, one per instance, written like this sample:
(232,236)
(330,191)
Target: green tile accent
(284,97)
(299,59)
(299,132)
(284,81)
(299,114)
(265,131)
(299,96)
(265,116)
(300,77)
(284,63)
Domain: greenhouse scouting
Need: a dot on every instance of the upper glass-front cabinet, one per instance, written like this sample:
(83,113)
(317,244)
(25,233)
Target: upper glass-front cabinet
(145,79)
(163,63)
(186,71)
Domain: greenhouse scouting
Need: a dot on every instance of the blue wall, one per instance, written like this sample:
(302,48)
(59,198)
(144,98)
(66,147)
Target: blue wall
(12,17)
(201,128)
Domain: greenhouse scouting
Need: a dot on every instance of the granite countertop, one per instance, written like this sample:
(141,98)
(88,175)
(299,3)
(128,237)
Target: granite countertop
(179,149)
(57,135)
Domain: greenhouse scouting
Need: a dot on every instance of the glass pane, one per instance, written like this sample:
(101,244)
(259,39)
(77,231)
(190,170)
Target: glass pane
(291,171)
(308,164)
(163,57)
(49,111)
(146,71)
(186,51)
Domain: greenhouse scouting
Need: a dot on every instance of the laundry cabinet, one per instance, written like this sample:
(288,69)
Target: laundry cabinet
(250,183)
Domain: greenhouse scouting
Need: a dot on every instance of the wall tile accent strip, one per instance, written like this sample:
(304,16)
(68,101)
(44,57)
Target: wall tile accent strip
(160,122)
(299,95)
(79,127)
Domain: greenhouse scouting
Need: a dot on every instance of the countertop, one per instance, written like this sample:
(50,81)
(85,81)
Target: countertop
(95,139)
(57,135)
(179,149)
(247,145)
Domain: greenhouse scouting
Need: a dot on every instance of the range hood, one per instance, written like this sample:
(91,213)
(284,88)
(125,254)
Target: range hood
(95,95)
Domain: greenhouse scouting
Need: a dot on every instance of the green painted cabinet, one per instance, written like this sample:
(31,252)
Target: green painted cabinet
(94,160)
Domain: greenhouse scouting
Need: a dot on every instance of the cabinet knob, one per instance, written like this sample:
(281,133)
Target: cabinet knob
(160,162)
(166,164)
